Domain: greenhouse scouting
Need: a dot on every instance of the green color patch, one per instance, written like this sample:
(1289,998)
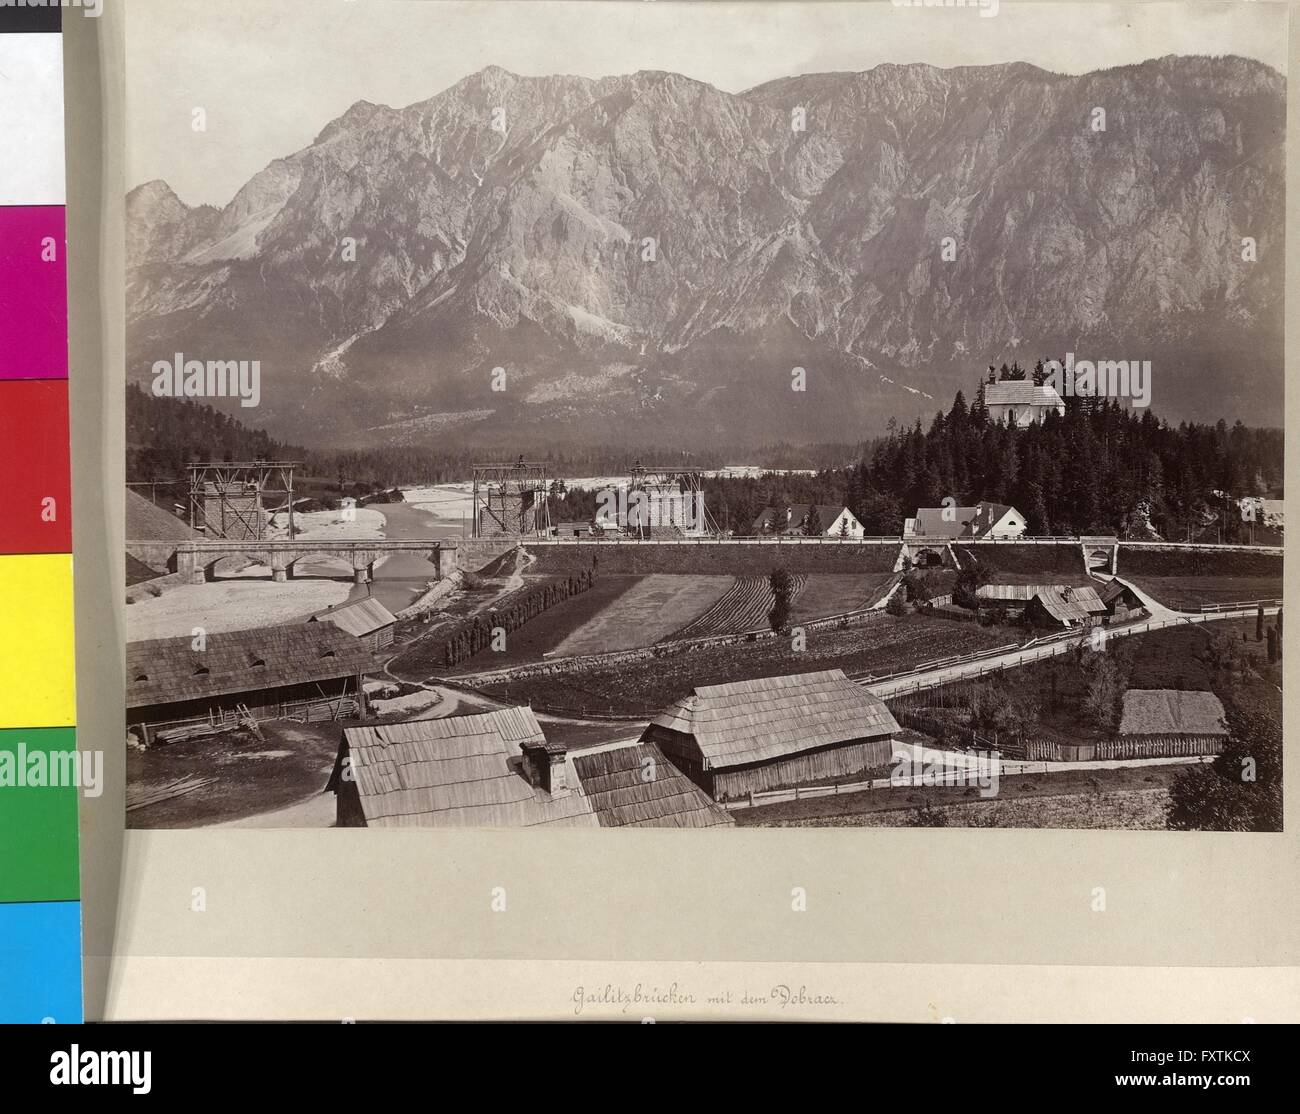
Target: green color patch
(38,814)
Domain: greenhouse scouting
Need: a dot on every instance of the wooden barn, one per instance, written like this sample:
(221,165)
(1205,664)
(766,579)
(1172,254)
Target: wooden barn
(366,619)
(773,732)
(491,770)
(1168,723)
(637,787)
(1122,603)
(1012,598)
(1060,606)
(300,671)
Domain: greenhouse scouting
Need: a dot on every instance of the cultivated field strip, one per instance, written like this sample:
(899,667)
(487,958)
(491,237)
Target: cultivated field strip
(744,608)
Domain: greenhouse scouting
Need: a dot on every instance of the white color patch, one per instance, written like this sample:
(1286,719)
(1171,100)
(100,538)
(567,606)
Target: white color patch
(31,120)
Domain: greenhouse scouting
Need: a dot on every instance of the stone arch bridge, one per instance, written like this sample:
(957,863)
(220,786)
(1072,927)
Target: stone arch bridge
(198,559)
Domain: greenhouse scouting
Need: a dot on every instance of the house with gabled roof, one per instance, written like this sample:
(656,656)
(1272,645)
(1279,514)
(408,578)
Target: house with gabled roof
(772,732)
(983,520)
(824,520)
(488,770)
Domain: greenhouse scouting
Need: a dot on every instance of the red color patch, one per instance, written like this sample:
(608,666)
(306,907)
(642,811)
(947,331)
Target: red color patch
(35,487)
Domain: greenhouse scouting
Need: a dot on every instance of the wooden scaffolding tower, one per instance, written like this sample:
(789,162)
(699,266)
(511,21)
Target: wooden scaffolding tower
(228,498)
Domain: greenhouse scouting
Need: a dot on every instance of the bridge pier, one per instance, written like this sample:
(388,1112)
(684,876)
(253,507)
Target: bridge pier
(198,558)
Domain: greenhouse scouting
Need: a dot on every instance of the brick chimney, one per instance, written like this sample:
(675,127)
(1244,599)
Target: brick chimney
(545,768)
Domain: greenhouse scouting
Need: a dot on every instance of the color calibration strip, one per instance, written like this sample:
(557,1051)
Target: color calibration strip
(40,770)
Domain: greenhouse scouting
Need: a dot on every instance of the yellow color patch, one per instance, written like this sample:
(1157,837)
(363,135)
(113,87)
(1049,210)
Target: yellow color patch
(37,685)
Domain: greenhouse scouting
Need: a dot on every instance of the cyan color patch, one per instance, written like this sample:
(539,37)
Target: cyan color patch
(40,962)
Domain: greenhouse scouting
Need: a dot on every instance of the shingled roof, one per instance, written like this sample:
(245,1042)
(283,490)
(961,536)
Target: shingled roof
(1070,605)
(791,519)
(1171,712)
(359,618)
(958,522)
(1061,600)
(1020,392)
(771,717)
(616,783)
(457,772)
(169,670)
(1114,589)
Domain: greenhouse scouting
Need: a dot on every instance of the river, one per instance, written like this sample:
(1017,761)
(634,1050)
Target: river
(401,577)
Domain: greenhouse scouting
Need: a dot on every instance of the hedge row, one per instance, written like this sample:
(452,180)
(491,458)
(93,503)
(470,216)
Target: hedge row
(472,635)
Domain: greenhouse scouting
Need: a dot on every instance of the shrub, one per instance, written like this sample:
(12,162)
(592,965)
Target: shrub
(927,817)
(897,605)
(782,584)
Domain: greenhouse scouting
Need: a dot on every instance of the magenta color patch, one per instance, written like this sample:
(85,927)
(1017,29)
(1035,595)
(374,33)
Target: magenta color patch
(33,293)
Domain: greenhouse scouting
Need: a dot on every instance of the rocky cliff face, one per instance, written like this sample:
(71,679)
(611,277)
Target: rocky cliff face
(504,223)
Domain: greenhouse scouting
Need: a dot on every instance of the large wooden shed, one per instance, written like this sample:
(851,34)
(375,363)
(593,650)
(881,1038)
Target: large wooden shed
(366,619)
(300,671)
(774,732)
(491,770)
(1060,606)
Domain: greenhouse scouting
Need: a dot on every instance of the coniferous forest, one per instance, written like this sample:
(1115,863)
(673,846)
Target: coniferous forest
(1101,468)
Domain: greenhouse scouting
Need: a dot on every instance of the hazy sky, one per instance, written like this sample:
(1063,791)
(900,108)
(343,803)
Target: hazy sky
(270,76)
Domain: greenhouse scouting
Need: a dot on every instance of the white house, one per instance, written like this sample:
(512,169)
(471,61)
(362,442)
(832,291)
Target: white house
(984,520)
(1021,402)
(832,521)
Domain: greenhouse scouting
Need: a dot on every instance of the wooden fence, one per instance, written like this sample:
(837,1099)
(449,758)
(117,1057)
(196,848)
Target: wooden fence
(972,666)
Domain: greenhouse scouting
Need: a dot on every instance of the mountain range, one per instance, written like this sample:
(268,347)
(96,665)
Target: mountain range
(647,257)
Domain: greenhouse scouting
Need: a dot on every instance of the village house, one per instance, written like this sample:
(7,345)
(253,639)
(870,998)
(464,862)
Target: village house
(572,530)
(637,787)
(983,520)
(823,520)
(366,619)
(772,732)
(1021,402)
(489,770)
(300,671)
